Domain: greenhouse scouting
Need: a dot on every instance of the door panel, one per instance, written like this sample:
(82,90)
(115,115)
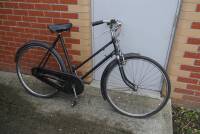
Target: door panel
(147,26)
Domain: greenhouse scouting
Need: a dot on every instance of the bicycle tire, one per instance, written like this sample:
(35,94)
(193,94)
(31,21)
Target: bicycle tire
(107,92)
(31,81)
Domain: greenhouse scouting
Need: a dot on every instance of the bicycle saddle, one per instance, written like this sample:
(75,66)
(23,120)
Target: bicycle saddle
(60,27)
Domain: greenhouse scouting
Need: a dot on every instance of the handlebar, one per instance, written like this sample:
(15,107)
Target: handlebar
(113,24)
(97,23)
(108,22)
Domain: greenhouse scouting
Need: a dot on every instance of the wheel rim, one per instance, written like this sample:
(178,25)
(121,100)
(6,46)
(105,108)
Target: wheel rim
(26,62)
(143,102)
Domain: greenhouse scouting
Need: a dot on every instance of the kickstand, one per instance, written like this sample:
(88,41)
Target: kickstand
(74,101)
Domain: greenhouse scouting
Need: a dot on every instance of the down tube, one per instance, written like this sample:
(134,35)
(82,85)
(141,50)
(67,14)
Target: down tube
(98,65)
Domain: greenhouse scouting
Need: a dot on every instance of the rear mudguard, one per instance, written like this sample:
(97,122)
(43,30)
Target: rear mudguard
(44,44)
(28,44)
(103,90)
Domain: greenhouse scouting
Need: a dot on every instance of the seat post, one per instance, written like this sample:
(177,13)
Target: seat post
(65,52)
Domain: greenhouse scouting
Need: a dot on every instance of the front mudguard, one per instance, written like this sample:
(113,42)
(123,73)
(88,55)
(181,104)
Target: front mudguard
(108,67)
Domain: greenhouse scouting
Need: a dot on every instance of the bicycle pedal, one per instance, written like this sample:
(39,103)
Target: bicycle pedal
(74,103)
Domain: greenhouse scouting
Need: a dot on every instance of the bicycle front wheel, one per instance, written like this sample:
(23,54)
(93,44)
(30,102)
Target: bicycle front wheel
(29,57)
(151,86)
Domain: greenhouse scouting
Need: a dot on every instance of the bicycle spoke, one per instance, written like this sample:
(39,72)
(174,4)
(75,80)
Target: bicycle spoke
(145,98)
(25,65)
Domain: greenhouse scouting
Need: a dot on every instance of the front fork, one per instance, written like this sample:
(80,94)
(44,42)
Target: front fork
(121,63)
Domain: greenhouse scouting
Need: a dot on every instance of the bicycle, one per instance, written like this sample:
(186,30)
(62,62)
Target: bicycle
(122,82)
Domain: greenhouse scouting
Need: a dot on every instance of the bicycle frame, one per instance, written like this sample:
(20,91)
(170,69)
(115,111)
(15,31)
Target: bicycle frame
(72,69)
(117,52)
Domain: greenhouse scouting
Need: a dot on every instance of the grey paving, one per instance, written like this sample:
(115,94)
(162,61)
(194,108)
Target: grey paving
(92,107)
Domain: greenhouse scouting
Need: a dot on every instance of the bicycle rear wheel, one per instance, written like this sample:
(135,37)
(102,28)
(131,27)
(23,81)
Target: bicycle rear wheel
(152,86)
(30,56)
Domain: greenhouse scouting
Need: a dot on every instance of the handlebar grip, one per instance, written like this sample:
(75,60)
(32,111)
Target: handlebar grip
(97,22)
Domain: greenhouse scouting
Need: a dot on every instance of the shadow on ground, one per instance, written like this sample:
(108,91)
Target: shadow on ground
(19,116)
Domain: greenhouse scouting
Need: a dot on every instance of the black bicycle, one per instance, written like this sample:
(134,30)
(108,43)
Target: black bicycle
(134,85)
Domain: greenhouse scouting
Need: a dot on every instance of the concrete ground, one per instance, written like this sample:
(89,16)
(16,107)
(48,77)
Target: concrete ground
(22,113)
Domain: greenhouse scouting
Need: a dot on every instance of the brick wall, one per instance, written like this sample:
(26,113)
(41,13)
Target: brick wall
(184,66)
(24,20)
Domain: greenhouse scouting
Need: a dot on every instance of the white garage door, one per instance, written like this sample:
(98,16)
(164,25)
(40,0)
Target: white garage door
(147,26)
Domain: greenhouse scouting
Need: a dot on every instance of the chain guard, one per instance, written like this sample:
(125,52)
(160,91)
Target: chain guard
(68,80)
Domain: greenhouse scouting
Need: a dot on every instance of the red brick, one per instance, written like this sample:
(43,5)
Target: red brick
(11,5)
(5,28)
(187,80)
(66,34)
(190,68)
(191,98)
(18,29)
(74,52)
(75,29)
(2,33)
(193,87)
(35,13)
(69,15)
(21,40)
(68,1)
(195,75)
(32,31)
(197,62)
(59,7)
(18,0)
(3,42)
(20,12)
(51,38)
(3,17)
(73,41)
(198,8)
(184,91)
(13,34)
(38,25)
(192,55)
(194,41)
(26,5)
(27,35)
(40,37)
(30,19)
(42,6)
(6,38)
(60,21)
(14,18)
(9,23)
(45,32)
(68,46)
(52,14)
(23,24)
(1,5)
(44,20)
(49,1)
(5,11)
(195,25)
(197,93)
